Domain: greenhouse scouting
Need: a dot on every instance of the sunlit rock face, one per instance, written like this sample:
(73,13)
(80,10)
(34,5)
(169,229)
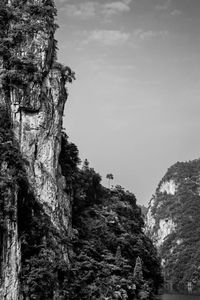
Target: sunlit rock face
(149,217)
(36,103)
(169,187)
(38,130)
(173,223)
(166,227)
(159,230)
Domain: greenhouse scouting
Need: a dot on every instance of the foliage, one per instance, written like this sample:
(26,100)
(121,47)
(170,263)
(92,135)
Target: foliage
(137,273)
(109,177)
(108,238)
(69,161)
(43,263)
(67,73)
(11,166)
(180,249)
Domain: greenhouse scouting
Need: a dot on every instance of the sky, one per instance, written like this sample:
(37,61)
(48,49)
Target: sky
(134,107)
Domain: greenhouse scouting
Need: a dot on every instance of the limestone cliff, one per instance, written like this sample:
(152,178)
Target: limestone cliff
(32,91)
(172,222)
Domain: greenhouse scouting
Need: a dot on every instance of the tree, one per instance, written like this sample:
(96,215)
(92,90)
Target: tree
(118,256)
(85,165)
(109,177)
(138,274)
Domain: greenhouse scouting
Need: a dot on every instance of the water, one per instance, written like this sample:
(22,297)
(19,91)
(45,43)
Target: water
(179,297)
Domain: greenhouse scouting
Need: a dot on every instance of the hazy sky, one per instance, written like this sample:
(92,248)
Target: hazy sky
(134,108)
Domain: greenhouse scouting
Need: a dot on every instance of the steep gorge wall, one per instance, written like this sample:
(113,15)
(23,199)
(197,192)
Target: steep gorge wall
(172,222)
(33,92)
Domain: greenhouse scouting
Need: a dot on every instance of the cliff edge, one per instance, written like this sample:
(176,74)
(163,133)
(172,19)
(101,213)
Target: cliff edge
(33,95)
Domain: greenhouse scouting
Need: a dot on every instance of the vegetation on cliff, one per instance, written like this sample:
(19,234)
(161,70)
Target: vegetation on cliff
(11,177)
(108,240)
(20,22)
(180,249)
(23,24)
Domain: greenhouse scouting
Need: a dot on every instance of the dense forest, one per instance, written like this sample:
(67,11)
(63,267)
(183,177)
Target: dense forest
(108,237)
(180,249)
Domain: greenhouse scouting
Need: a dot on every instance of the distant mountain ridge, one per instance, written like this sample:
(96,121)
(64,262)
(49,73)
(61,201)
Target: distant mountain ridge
(173,223)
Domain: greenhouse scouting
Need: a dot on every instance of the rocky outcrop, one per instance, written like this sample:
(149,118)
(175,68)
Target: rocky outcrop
(33,92)
(160,228)
(172,222)
(39,134)
(169,187)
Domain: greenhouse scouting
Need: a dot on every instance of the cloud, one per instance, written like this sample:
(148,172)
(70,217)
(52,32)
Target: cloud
(163,6)
(176,13)
(166,5)
(90,9)
(116,7)
(82,10)
(148,35)
(108,37)
(118,37)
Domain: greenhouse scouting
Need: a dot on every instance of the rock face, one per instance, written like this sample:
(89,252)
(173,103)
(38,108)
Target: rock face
(39,133)
(169,187)
(10,245)
(33,92)
(172,222)
(160,229)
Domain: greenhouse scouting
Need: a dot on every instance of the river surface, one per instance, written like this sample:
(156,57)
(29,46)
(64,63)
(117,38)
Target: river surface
(179,297)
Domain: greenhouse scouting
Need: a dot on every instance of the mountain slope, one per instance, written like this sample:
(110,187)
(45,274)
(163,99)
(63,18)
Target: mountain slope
(108,238)
(174,225)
